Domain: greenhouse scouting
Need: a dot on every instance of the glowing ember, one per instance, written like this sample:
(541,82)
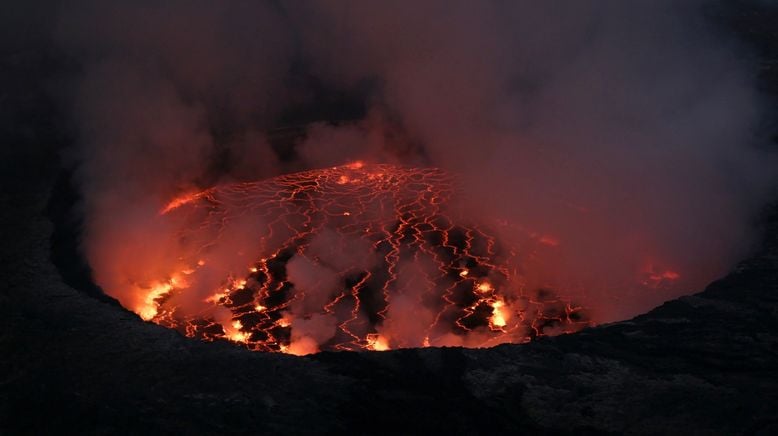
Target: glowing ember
(484,287)
(654,277)
(356,257)
(180,201)
(499,314)
(377,342)
(149,308)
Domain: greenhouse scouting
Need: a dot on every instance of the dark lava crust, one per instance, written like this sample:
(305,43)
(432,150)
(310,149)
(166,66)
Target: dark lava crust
(74,364)
(70,363)
(703,364)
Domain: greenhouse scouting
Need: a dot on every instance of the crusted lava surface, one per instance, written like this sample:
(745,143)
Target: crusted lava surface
(71,363)
(369,237)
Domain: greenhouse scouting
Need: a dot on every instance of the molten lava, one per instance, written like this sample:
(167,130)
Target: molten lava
(355,257)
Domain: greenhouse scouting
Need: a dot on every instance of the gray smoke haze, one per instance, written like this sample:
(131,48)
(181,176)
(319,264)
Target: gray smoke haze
(627,131)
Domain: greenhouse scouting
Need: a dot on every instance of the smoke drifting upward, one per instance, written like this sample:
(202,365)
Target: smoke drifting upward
(359,256)
(622,134)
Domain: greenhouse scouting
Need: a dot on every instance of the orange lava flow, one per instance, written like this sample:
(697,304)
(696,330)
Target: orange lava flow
(355,257)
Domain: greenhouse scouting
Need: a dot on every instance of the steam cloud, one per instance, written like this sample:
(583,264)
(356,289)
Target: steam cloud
(625,131)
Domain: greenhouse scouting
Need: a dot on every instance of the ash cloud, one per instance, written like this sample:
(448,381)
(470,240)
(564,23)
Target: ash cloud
(626,132)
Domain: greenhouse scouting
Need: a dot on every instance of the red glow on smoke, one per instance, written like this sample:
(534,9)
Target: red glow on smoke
(345,258)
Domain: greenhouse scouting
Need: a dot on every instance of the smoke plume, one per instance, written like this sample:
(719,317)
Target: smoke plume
(622,134)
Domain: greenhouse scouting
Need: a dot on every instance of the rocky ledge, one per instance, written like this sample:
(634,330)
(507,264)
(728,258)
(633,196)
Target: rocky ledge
(702,364)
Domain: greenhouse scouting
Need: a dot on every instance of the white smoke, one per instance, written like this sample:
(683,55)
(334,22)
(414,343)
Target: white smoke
(625,130)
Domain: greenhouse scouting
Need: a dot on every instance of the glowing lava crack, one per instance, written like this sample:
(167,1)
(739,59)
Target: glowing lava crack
(346,258)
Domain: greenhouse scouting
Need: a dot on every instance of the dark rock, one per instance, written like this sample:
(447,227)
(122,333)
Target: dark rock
(71,363)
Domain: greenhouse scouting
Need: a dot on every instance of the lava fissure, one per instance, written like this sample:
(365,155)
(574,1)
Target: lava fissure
(345,258)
